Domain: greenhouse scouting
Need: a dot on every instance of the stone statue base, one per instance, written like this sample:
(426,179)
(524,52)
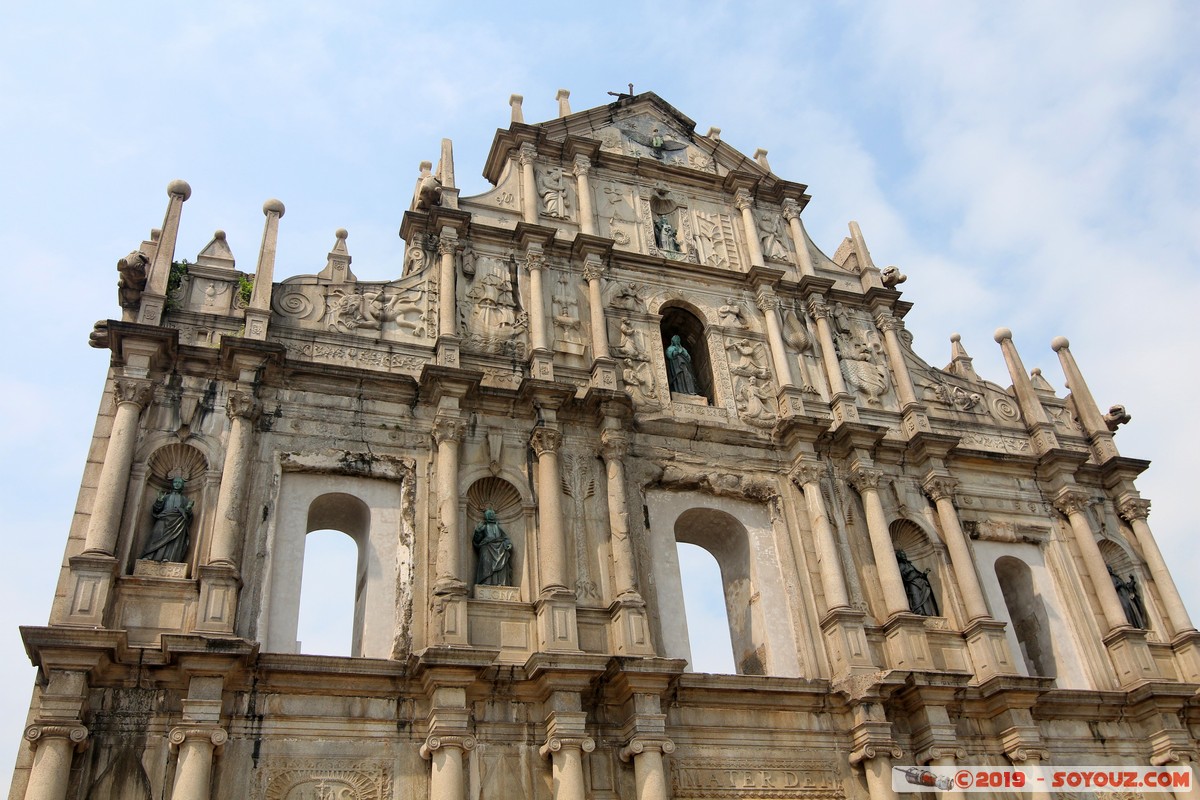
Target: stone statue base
(497,593)
(144,568)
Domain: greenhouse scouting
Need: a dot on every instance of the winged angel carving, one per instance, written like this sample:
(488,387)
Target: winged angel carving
(658,144)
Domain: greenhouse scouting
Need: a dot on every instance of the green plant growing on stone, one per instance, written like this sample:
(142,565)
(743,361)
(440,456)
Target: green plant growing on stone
(179,270)
(245,288)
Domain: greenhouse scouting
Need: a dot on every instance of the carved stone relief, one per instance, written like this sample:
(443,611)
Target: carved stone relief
(553,193)
(568,327)
(772,235)
(489,312)
(617,209)
(712,243)
(579,483)
(321,778)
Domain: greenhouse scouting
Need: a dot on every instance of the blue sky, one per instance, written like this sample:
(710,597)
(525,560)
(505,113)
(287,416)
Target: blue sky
(1026,164)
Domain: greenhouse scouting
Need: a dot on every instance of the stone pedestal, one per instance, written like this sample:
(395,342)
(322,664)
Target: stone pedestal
(630,628)
(556,623)
(1187,655)
(989,651)
(92,577)
(1130,656)
(604,374)
(907,646)
(846,641)
(219,586)
(791,402)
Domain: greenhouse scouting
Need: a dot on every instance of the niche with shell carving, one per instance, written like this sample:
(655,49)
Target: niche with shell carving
(164,465)
(515,517)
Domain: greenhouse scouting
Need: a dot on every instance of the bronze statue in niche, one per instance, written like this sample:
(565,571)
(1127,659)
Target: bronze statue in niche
(493,549)
(172,514)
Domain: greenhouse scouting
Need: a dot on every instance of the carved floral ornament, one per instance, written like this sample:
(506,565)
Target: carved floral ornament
(817,308)
(766,300)
(447,244)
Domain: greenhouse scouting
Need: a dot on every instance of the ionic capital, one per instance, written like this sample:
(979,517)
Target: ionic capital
(643,744)
(864,479)
(1072,500)
(766,300)
(241,405)
(210,734)
(791,209)
(448,429)
(74,733)
(131,390)
(1133,508)
(614,445)
(582,165)
(545,440)
(464,742)
(556,743)
(527,154)
(940,751)
(875,750)
(1019,755)
(742,199)
(940,487)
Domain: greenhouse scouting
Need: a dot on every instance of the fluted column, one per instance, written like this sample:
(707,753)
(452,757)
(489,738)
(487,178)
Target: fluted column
(768,304)
(447,318)
(535,260)
(891,326)
(791,212)
(259,311)
(552,546)
(614,448)
(1072,503)
(197,746)
(593,271)
(833,582)
(820,312)
(529,198)
(1135,510)
(227,529)
(447,434)
(941,490)
(154,297)
(866,481)
(54,746)
(130,396)
(649,775)
(587,218)
(744,203)
(448,778)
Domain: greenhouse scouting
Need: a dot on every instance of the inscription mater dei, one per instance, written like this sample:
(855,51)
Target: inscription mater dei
(783,779)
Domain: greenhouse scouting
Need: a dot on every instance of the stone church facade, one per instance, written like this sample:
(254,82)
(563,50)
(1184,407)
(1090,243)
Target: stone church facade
(627,343)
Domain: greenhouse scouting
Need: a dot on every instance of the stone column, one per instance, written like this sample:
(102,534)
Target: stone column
(593,270)
(1033,758)
(154,297)
(448,778)
(259,312)
(895,599)
(1135,510)
(130,396)
(876,762)
(820,313)
(808,477)
(447,433)
(1072,503)
(890,326)
(1100,436)
(791,212)
(941,490)
(529,198)
(197,746)
(535,259)
(53,745)
(614,449)
(744,203)
(649,775)
(566,742)
(587,218)
(768,304)
(227,529)
(447,318)
(552,545)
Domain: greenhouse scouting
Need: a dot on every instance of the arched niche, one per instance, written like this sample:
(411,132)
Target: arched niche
(908,538)
(514,517)
(678,320)
(164,464)
(1129,581)
(367,510)
(740,536)
(1027,616)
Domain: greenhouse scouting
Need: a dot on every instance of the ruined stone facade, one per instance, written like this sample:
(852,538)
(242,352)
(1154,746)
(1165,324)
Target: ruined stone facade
(524,363)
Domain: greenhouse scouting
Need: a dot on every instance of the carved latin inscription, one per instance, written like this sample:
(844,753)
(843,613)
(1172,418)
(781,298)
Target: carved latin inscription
(729,779)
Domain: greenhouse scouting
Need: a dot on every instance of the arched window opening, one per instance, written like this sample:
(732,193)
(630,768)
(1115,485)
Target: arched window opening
(690,330)
(1027,614)
(330,595)
(704,608)
(917,559)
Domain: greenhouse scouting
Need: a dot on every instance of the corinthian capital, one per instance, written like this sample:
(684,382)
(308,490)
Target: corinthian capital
(131,390)
(791,209)
(614,445)
(582,165)
(527,154)
(448,429)
(447,243)
(817,308)
(241,405)
(766,300)
(593,269)
(864,479)
(534,258)
(940,487)
(886,322)
(1132,508)
(1072,500)
(742,199)
(545,440)
(807,472)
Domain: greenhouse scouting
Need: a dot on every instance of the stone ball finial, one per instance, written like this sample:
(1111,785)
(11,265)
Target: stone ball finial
(179,187)
(273,205)
(341,233)
(1001,334)
(1037,371)
(219,235)
(1059,343)
(955,338)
